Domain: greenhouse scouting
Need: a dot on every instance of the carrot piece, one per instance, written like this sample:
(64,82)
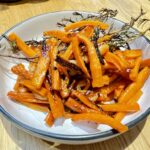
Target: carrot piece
(135,86)
(30,86)
(49,119)
(78,57)
(112,86)
(79,24)
(55,77)
(84,100)
(63,36)
(21,45)
(37,107)
(95,66)
(40,72)
(118,91)
(100,118)
(114,59)
(104,48)
(119,116)
(87,31)
(56,105)
(132,53)
(134,72)
(104,38)
(59,105)
(77,107)
(123,60)
(121,107)
(25,97)
(66,55)
(145,63)
(20,70)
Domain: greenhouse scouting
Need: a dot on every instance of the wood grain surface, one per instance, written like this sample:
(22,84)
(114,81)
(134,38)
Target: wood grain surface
(12,138)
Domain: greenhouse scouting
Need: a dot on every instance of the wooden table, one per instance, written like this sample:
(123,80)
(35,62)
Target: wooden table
(12,138)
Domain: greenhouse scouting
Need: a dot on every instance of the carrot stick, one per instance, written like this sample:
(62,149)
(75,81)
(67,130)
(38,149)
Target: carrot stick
(38,107)
(87,31)
(104,38)
(30,86)
(56,105)
(100,118)
(77,54)
(114,59)
(135,86)
(66,55)
(40,72)
(55,77)
(119,116)
(145,63)
(132,53)
(84,100)
(95,66)
(121,107)
(79,24)
(61,35)
(59,105)
(20,70)
(25,97)
(22,46)
(134,72)
(77,107)
(49,119)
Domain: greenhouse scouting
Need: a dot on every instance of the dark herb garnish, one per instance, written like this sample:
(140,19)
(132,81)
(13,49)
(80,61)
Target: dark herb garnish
(30,59)
(94,39)
(70,66)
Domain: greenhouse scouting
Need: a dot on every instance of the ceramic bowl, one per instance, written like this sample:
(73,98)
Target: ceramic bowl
(63,131)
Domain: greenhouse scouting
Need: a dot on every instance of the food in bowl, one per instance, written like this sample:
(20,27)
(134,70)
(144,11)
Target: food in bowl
(78,73)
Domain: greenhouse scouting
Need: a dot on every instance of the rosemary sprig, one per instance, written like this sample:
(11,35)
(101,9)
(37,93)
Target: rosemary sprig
(30,59)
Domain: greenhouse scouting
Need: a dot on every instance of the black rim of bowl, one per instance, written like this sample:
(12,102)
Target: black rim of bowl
(49,135)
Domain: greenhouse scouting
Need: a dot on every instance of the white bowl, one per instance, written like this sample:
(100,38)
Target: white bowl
(63,131)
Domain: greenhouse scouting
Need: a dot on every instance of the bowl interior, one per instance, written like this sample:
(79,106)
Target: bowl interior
(32,29)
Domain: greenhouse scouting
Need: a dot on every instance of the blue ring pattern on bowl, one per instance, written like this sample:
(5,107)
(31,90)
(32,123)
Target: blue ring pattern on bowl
(45,135)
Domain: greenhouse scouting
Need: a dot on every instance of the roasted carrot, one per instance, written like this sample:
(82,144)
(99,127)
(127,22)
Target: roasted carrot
(66,55)
(63,36)
(77,107)
(84,100)
(38,107)
(21,45)
(135,86)
(55,77)
(119,116)
(40,72)
(20,70)
(25,97)
(115,60)
(100,118)
(120,107)
(132,53)
(78,57)
(87,31)
(49,119)
(134,72)
(30,86)
(95,66)
(104,38)
(145,63)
